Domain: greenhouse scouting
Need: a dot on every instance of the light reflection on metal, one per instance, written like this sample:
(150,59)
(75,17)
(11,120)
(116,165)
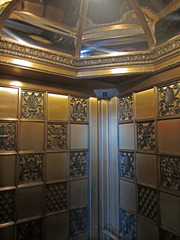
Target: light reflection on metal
(23,63)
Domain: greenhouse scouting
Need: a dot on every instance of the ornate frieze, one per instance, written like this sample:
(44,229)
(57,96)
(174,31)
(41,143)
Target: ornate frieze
(78,109)
(169,99)
(127,225)
(146,136)
(170,172)
(79,164)
(6,206)
(127,165)
(30,168)
(56,197)
(126,108)
(78,221)
(57,136)
(7,135)
(29,230)
(147,202)
(32,104)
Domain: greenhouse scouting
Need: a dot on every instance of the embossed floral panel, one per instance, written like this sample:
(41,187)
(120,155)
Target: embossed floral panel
(127,165)
(30,168)
(169,99)
(170,172)
(127,225)
(57,136)
(79,109)
(126,108)
(56,197)
(7,136)
(79,164)
(146,136)
(6,206)
(78,221)
(30,230)
(32,104)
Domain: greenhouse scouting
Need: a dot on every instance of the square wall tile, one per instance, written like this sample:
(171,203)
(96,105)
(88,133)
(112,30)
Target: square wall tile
(145,104)
(30,202)
(56,227)
(128,195)
(127,226)
(7,171)
(8,102)
(126,136)
(78,193)
(146,169)
(31,136)
(29,230)
(7,233)
(56,166)
(169,136)
(170,211)
(147,231)
(57,107)
(79,136)
(6,206)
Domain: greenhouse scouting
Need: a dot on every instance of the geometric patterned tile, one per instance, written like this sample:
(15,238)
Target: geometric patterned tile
(6,206)
(29,230)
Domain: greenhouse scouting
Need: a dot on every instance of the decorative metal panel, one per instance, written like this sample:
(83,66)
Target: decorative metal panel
(57,136)
(78,109)
(170,172)
(32,104)
(56,197)
(30,168)
(7,135)
(6,206)
(126,108)
(146,136)
(168,236)
(78,221)
(126,164)
(147,202)
(169,99)
(29,230)
(79,164)
(127,225)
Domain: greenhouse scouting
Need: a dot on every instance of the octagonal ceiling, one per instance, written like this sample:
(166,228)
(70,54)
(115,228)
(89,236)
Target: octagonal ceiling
(85,28)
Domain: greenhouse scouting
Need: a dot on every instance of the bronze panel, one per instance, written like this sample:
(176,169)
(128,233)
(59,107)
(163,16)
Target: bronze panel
(56,227)
(78,193)
(6,233)
(169,136)
(57,107)
(8,102)
(7,171)
(30,202)
(31,136)
(126,136)
(170,211)
(128,195)
(146,169)
(147,231)
(56,166)
(79,136)
(145,104)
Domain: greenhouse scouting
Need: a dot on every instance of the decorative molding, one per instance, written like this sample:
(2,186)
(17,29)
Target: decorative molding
(127,165)
(146,136)
(56,197)
(7,135)
(127,225)
(78,221)
(32,104)
(30,168)
(79,164)
(147,202)
(57,136)
(126,108)
(29,230)
(169,99)
(170,172)
(78,109)
(6,206)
